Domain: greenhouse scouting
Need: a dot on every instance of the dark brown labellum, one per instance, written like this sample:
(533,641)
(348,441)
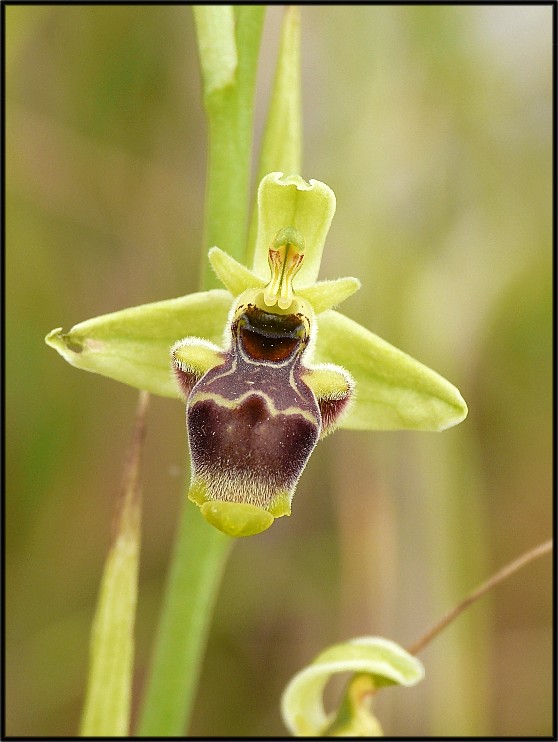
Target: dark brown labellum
(252,421)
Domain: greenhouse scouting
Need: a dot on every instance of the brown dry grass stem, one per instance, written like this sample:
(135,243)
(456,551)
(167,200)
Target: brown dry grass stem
(496,578)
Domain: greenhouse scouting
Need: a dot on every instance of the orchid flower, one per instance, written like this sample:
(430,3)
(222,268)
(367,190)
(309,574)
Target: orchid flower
(266,366)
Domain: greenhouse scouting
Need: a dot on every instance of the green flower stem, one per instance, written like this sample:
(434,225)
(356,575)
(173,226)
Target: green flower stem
(229,47)
(198,562)
(229,81)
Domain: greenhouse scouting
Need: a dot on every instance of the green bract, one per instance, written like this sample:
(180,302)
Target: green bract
(109,687)
(332,356)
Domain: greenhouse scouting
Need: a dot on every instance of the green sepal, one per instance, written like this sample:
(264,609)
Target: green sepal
(289,201)
(133,345)
(393,391)
(302,703)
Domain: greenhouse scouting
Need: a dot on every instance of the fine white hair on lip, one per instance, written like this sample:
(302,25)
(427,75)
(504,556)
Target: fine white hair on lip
(192,340)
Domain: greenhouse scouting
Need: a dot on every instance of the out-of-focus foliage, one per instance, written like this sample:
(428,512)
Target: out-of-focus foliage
(441,116)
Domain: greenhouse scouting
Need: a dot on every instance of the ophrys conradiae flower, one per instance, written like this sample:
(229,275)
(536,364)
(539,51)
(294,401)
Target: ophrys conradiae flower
(266,365)
(256,410)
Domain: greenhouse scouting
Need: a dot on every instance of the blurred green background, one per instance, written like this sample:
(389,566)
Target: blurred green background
(433,126)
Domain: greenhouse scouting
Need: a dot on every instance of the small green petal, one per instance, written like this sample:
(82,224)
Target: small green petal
(133,345)
(393,391)
(302,704)
(289,201)
(328,294)
(232,274)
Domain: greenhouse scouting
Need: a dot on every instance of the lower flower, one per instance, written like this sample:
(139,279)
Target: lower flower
(253,416)
(258,404)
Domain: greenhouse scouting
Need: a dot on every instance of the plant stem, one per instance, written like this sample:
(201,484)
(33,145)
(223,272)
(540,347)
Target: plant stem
(500,576)
(229,45)
(229,110)
(197,565)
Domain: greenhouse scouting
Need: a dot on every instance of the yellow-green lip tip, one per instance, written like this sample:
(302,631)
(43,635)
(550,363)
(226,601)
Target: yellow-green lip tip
(236,518)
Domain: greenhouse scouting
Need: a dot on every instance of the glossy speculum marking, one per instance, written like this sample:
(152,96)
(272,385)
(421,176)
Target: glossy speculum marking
(270,338)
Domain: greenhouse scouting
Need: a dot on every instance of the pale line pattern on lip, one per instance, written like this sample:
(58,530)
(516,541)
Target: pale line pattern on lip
(234,367)
(233,404)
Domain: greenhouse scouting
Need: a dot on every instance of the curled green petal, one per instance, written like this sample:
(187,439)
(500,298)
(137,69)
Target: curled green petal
(393,391)
(302,703)
(289,201)
(133,345)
